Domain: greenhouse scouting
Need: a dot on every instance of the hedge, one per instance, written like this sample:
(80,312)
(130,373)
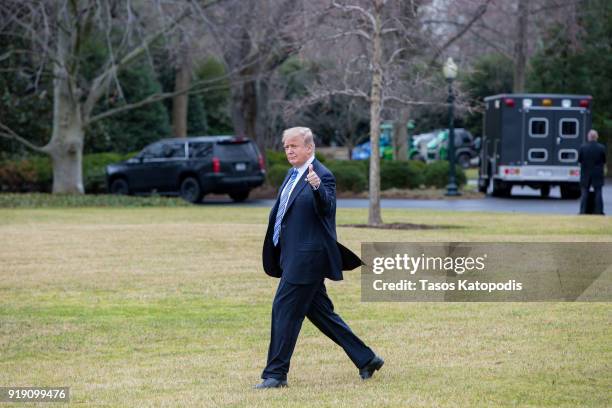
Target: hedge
(436,174)
(351,175)
(401,174)
(34,174)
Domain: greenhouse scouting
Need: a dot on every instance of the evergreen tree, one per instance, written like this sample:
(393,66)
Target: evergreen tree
(580,64)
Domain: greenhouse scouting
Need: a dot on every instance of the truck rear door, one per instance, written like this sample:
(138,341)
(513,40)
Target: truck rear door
(553,136)
(569,136)
(539,141)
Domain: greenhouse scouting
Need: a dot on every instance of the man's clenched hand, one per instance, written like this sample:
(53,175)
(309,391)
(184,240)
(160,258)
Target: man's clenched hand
(313,178)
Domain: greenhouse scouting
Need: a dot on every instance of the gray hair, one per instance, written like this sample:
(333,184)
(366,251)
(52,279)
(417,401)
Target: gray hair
(304,132)
(592,135)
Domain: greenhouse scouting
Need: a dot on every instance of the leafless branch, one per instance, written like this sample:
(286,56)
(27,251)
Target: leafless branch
(8,133)
(356,9)
(100,83)
(482,9)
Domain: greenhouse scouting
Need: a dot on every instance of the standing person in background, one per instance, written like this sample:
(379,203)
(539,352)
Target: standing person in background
(592,158)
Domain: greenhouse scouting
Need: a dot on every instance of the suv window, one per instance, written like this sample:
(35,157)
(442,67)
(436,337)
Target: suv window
(154,151)
(173,150)
(235,151)
(200,150)
(462,137)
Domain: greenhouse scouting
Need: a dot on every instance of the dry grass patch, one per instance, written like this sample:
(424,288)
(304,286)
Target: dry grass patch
(170,307)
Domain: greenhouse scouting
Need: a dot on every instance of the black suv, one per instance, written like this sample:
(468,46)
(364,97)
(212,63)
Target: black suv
(191,167)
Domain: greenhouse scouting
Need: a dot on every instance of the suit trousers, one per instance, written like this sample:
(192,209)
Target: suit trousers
(291,304)
(597,201)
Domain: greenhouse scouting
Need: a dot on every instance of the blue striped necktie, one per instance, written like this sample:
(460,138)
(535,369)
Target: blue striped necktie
(283,206)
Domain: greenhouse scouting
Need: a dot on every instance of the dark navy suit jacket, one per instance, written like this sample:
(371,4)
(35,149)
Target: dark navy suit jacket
(308,251)
(592,157)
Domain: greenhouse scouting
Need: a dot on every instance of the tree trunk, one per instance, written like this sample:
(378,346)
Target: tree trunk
(374,217)
(180,103)
(402,134)
(66,144)
(247,116)
(520,48)
(67,159)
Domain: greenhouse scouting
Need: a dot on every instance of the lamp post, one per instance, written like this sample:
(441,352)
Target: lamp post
(450,73)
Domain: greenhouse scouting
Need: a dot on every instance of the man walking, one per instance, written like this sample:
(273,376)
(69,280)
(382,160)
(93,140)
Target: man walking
(300,247)
(592,158)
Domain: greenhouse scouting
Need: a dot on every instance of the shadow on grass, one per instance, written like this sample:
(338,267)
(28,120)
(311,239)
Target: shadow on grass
(403,226)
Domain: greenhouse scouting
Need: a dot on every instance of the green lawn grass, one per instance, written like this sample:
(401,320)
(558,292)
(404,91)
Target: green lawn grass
(170,307)
(471,173)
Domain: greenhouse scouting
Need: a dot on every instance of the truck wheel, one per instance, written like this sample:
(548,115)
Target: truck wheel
(120,186)
(239,196)
(501,189)
(464,161)
(418,157)
(545,191)
(570,192)
(191,190)
(482,188)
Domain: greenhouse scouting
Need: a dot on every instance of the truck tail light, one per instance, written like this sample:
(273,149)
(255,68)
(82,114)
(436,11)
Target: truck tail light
(575,173)
(584,103)
(262,165)
(216,165)
(512,171)
(509,102)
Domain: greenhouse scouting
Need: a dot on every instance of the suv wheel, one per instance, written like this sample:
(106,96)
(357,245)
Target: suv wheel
(191,190)
(239,196)
(120,186)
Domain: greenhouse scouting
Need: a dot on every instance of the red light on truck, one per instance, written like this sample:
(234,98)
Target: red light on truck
(216,165)
(574,173)
(262,165)
(584,103)
(512,171)
(509,102)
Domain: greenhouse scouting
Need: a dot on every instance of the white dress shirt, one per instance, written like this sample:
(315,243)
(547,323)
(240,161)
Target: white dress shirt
(301,173)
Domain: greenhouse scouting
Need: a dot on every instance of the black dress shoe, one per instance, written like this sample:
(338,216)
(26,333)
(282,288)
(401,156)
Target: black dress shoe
(271,383)
(368,371)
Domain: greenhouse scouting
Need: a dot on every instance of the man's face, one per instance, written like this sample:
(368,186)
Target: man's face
(296,151)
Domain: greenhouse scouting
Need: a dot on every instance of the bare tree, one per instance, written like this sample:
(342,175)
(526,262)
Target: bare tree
(513,29)
(384,66)
(58,31)
(520,47)
(182,81)
(254,38)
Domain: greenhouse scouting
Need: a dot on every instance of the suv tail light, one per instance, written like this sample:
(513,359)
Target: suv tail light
(262,165)
(216,165)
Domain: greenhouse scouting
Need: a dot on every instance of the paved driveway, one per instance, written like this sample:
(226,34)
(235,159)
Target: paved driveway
(523,200)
